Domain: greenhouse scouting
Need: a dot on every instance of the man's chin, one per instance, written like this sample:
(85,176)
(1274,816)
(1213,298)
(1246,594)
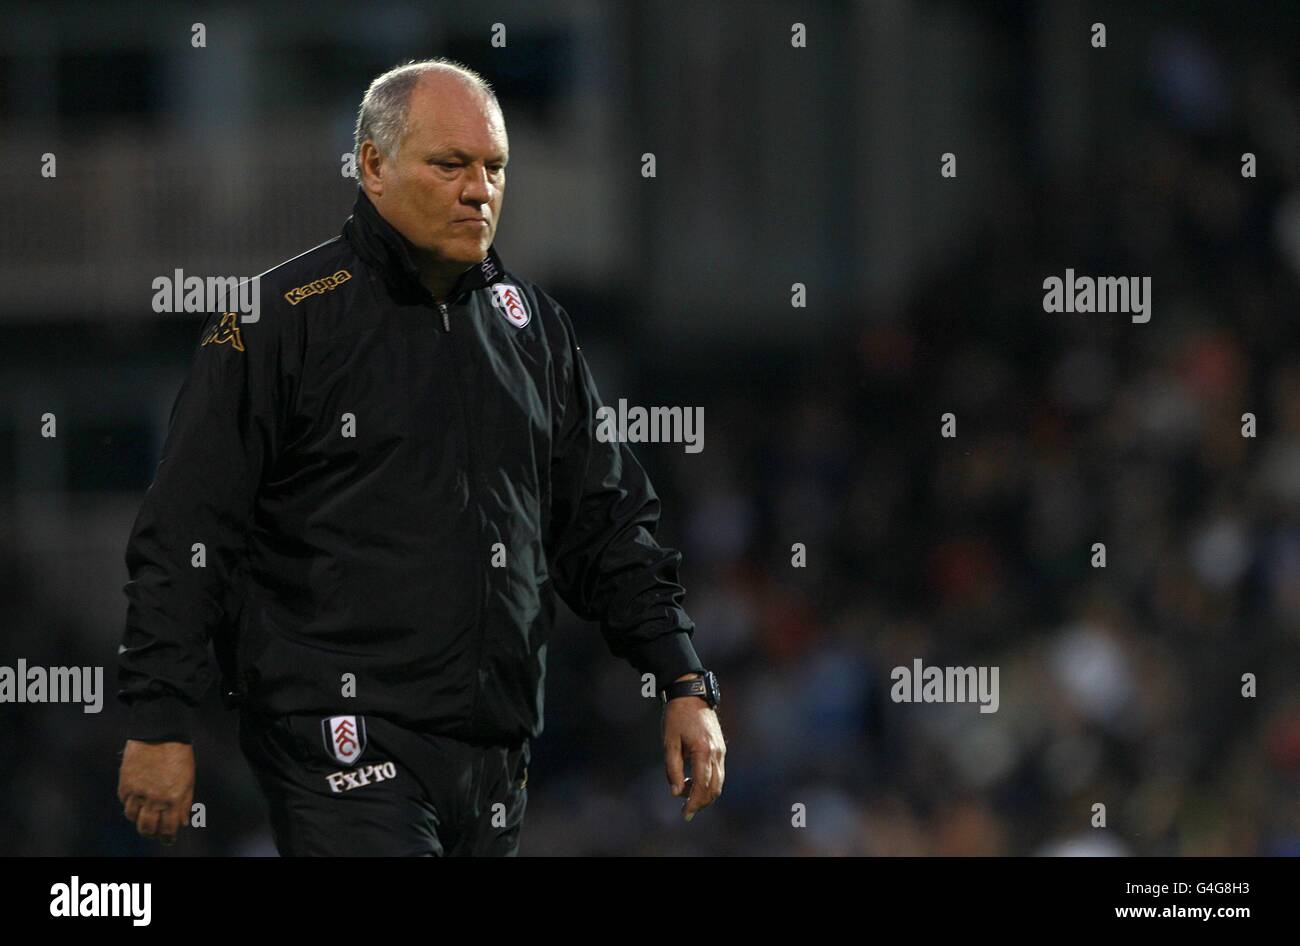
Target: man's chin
(467,252)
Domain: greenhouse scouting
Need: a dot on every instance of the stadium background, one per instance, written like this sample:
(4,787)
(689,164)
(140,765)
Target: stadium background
(775,166)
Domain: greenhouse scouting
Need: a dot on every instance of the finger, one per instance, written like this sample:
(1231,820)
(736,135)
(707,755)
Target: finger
(699,796)
(169,824)
(132,807)
(674,766)
(702,770)
(714,788)
(719,756)
(147,823)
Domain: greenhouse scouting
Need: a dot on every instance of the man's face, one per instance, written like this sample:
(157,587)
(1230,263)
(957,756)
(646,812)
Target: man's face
(443,191)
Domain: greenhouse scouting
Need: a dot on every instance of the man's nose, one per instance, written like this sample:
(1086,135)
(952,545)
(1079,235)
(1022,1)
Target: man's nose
(478,189)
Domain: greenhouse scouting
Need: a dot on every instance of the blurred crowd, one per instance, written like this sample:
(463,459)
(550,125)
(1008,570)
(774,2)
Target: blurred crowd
(1123,686)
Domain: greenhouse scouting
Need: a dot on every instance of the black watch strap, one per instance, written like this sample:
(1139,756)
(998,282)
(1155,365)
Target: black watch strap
(705,686)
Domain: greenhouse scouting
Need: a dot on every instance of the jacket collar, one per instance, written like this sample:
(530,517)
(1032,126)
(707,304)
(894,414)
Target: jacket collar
(379,243)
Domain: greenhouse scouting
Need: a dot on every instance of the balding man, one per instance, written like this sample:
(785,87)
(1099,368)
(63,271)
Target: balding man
(367,500)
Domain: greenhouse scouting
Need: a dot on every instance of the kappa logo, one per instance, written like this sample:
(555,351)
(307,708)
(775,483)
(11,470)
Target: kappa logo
(509,299)
(226,332)
(317,286)
(345,737)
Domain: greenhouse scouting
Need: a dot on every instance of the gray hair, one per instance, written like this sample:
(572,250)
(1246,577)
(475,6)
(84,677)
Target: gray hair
(383,114)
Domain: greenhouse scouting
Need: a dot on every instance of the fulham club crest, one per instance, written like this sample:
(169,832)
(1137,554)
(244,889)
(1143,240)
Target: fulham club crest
(345,737)
(509,300)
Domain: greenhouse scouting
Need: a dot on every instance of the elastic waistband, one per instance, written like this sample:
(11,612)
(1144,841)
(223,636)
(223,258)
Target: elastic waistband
(256,717)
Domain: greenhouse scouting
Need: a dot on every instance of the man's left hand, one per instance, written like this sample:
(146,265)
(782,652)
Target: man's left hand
(691,731)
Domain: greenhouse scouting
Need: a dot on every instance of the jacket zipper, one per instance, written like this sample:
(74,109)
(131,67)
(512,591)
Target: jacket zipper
(472,473)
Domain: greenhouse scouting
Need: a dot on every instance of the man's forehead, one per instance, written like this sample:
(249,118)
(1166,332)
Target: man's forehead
(458,141)
(467,138)
(449,114)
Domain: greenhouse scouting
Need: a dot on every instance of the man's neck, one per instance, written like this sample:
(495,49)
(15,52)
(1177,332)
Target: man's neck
(438,276)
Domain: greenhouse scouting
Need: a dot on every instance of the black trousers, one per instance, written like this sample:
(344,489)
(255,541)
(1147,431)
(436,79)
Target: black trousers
(363,786)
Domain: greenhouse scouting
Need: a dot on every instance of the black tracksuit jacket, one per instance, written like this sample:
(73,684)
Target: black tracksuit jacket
(394,489)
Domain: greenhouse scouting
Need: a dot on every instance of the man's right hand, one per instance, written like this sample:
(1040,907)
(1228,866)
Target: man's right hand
(156,786)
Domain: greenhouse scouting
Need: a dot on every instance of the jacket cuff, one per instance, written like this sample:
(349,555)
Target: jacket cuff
(160,719)
(668,657)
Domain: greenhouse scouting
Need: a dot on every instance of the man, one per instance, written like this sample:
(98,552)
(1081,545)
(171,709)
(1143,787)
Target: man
(367,500)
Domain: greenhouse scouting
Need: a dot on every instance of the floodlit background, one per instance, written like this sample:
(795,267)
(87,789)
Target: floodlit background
(776,166)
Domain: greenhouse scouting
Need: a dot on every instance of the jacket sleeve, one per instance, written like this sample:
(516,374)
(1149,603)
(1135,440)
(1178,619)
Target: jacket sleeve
(221,436)
(604,559)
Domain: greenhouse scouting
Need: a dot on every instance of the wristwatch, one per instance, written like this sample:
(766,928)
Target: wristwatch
(704,686)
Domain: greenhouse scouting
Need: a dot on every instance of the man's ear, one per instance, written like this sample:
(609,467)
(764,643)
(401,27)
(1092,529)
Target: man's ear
(372,158)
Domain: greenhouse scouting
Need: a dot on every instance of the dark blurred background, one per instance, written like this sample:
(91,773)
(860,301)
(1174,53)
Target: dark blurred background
(776,165)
